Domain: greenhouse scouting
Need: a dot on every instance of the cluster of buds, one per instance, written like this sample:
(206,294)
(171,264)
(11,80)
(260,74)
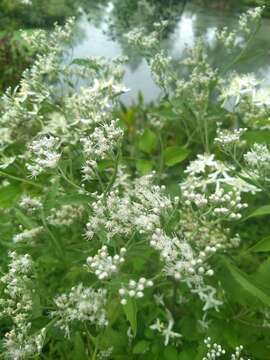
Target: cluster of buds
(228,204)
(214,350)
(30,204)
(104,265)
(135,289)
(184,268)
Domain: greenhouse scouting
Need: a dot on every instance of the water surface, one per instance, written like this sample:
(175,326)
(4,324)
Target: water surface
(103,36)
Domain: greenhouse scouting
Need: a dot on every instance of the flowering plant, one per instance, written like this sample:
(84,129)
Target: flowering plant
(126,232)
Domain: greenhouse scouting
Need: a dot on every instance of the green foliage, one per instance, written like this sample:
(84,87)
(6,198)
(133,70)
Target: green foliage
(147,204)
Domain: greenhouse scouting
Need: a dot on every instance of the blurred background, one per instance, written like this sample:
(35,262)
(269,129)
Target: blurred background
(102,24)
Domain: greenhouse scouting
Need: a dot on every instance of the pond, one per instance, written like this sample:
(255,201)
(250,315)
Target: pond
(101,34)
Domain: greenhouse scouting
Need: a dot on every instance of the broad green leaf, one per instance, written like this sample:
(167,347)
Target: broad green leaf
(261,211)
(130,310)
(261,246)
(170,353)
(9,194)
(148,141)
(24,220)
(242,279)
(141,347)
(257,136)
(144,166)
(174,155)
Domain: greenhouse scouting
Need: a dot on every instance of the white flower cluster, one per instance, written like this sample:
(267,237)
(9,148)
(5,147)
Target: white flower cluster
(138,38)
(239,87)
(258,159)
(216,351)
(42,41)
(135,289)
(26,2)
(160,67)
(227,138)
(206,187)
(80,304)
(21,107)
(102,141)
(45,154)
(104,265)
(19,301)
(208,233)
(19,343)
(89,170)
(30,204)
(105,354)
(88,106)
(66,215)
(247,21)
(252,15)
(137,208)
(28,235)
(180,260)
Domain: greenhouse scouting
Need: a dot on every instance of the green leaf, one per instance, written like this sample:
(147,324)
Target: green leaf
(242,279)
(79,347)
(24,220)
(141,347)
(9,194)
(261,211)
(148,141)
(174,155)
(144,166)
(170,353)
(89,63)
(257,136)
(261,246)
(130,310)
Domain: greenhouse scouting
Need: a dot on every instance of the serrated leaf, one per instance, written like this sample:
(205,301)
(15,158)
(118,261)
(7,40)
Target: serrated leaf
(141,347)
(242,279)
(148,141)
(174,155)
(130,310)
(261,246)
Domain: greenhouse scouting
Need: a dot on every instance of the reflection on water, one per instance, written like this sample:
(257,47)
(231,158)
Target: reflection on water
(105,38)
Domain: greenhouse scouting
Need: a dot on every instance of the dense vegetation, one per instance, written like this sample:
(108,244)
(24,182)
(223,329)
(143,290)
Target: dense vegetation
(140,232)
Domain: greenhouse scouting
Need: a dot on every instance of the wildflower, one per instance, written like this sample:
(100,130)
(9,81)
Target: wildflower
(104,265)
(227,138)
(166,331)
(27,235)
(19,342)
(30,204)
(45,155)
(135,289)
(80,304)
(258,157)
(66,215)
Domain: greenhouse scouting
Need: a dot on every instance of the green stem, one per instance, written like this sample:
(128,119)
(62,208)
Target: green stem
(68,180)
(21,179)
(108,189)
